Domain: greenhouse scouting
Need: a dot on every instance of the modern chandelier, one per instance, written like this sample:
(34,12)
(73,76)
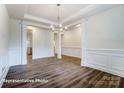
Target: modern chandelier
(59,27)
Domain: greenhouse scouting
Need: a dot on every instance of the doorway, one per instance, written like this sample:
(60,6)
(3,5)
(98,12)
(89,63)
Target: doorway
(29,46)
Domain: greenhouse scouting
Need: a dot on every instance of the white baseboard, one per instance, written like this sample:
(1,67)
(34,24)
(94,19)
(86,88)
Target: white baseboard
(3,76)
(114,72)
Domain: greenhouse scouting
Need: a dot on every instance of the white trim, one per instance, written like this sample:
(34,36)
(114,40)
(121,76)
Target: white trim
(72,51)
(114,72)
(84,41)
(80,13)
(59,48)
(38,19)
(3,76)
(71,47)
(15,56)
(107,60)
(24,45)
(103,49)
(35,24)
(88,11)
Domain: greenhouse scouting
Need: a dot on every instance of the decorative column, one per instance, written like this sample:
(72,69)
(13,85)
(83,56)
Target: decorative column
(23,43)
(59,56)
(84,42)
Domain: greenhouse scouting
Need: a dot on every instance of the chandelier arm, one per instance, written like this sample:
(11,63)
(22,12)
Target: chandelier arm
(59,26)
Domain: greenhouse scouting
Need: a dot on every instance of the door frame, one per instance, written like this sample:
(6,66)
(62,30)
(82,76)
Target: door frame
(24,39)
(84,47)
(23,43)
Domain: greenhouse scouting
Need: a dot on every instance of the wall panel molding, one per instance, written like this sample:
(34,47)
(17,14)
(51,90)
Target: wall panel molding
(72,51)
(15,56)
(108,60)
(4,67)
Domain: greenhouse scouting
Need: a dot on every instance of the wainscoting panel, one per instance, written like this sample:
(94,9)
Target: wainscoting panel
(96,59)
(118,63)
(108,60)
(15,56)
(72,51)
(4,66)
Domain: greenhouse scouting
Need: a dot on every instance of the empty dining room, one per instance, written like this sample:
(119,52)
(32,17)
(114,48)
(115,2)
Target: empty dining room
(61,46)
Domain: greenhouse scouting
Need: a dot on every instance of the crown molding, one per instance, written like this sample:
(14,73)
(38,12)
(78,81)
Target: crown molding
(48,22)
(88,11)
(38,19)
(75,18)
(28,23)
(81,12)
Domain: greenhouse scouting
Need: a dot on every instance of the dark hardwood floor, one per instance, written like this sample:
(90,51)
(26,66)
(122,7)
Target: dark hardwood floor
(65,73)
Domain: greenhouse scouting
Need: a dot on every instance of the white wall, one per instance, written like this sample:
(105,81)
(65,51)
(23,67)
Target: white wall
(105,30)
(29,38)
(15,42)
(105,35)
(42,43)
(3,42)
(71,43)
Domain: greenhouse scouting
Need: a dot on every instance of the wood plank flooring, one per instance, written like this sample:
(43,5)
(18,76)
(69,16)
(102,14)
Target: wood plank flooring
(65,73)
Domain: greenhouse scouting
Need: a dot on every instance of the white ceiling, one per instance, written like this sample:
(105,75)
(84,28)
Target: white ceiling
(16,10)
(48,12)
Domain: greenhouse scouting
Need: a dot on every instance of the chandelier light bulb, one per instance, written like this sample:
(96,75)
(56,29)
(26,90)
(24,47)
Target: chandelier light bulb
(66,27)
(60,25)
(51,26)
